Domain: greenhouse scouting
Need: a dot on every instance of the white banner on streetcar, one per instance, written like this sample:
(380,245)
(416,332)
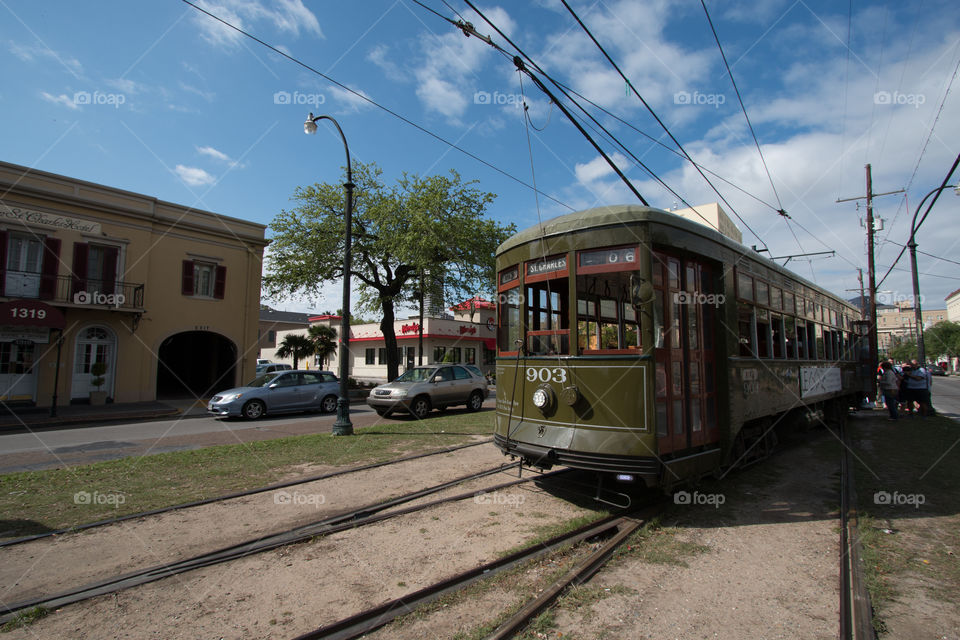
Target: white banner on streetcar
(815,381)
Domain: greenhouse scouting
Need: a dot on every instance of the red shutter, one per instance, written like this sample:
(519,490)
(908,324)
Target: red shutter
(110,257)
(186,281)
(81,251)
(3,261)
(50,268)
(220,284)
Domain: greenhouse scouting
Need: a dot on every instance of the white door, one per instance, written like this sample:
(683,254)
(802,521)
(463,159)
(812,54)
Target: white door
(17,378)
(24,260)
(94,344)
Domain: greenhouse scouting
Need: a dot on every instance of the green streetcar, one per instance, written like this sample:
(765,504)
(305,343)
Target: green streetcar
(635,342)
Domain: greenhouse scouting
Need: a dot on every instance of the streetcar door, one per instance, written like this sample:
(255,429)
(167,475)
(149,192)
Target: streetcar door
(684,314)
(668,354)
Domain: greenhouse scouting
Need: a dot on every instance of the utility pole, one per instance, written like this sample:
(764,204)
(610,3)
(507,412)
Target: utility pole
(871,274)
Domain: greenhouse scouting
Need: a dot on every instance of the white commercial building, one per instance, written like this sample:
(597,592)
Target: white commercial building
(468,336)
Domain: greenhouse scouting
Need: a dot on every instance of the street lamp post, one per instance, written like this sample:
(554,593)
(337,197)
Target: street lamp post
(342,426)
(918,314)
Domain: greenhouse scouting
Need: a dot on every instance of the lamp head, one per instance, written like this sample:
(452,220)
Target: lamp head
(310,126)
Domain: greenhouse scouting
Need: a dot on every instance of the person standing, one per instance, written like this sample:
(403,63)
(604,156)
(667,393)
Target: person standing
(918,389)
(889,387)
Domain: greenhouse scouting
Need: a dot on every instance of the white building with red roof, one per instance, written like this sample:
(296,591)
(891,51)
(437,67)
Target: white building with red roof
(467,335)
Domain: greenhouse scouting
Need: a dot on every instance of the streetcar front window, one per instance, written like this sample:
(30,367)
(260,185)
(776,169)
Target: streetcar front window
(548,331)
(606,321)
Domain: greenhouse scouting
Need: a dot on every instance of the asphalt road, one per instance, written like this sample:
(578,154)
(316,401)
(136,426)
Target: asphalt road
(946,395)
(47,449)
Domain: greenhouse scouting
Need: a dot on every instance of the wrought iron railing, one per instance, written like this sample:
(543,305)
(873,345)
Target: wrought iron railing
(70,290)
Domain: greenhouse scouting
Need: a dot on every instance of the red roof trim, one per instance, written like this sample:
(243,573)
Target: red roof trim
(315,318)
(426,335)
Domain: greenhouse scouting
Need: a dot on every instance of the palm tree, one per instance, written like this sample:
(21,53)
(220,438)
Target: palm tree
(297,346)
(324,341)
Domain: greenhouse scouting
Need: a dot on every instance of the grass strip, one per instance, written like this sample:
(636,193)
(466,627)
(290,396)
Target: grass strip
(34,502)
(906,477)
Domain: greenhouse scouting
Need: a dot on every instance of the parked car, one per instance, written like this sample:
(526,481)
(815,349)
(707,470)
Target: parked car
(270,367)
(936,370)
(421,389)
(279,392)
(263,361)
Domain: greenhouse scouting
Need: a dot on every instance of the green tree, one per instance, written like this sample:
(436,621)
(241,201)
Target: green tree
(942,339)
(296,346)
(433,225)
(904,351)
(324,341)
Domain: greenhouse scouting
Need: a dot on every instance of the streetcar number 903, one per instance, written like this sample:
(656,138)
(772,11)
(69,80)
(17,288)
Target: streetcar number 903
(546,374)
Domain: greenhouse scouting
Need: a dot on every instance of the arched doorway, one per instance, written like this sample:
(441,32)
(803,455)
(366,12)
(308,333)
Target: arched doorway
(195,364)
(94,344)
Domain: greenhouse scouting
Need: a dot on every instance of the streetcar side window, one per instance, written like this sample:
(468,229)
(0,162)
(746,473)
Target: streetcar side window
(508,311)
(790,334)
(508,330)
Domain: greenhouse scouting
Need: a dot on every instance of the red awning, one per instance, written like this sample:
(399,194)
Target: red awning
(490,343)
(30,313)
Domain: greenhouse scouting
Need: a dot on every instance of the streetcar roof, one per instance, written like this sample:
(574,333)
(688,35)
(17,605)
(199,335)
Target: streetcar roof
(616,215)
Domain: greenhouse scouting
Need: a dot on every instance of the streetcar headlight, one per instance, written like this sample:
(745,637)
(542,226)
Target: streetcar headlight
(544,399)
(540,398)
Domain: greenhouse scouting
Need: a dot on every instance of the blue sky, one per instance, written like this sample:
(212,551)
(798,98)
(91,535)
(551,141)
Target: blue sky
(160,99)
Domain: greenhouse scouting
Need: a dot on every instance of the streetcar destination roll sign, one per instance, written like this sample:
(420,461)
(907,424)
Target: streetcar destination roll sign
(546,266)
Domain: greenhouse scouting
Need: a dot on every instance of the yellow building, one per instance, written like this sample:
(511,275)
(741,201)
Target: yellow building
(165,296)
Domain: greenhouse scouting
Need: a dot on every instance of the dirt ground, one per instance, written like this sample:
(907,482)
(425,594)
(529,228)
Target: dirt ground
(289,591)
(765,565)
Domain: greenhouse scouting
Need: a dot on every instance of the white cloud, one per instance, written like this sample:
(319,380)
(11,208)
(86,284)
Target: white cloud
(62,99)
(192,176)
(351,101)
(599,168)
(446,71)
(220,156)
(214,153)
(287,16)
(30,54)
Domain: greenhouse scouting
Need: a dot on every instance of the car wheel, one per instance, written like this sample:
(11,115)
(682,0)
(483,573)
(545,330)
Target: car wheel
(475,402)
(328,404)
(253,410)
(420,407)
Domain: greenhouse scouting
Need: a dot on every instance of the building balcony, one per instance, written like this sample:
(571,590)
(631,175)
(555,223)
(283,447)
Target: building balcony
(69,291)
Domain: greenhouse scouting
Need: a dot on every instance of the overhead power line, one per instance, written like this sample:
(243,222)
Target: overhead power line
(393,113)
(744,109)
(656,117)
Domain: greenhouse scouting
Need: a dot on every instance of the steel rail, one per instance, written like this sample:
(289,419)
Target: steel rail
(351,519)
(856,614)
(583,571)
(238,494)
(364,622)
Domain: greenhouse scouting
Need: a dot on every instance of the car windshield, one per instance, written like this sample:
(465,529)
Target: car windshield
(416,375)
(265,379)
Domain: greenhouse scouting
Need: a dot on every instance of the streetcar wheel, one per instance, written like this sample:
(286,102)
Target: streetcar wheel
(253,410)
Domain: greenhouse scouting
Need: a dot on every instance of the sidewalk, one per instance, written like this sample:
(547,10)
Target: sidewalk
(14,418)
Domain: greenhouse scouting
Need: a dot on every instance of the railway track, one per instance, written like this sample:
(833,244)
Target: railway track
(856,615)
(238,494)
(614,529)
(351,519)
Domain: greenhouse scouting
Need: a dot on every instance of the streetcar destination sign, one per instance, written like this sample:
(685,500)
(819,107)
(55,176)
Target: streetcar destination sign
(546,266)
